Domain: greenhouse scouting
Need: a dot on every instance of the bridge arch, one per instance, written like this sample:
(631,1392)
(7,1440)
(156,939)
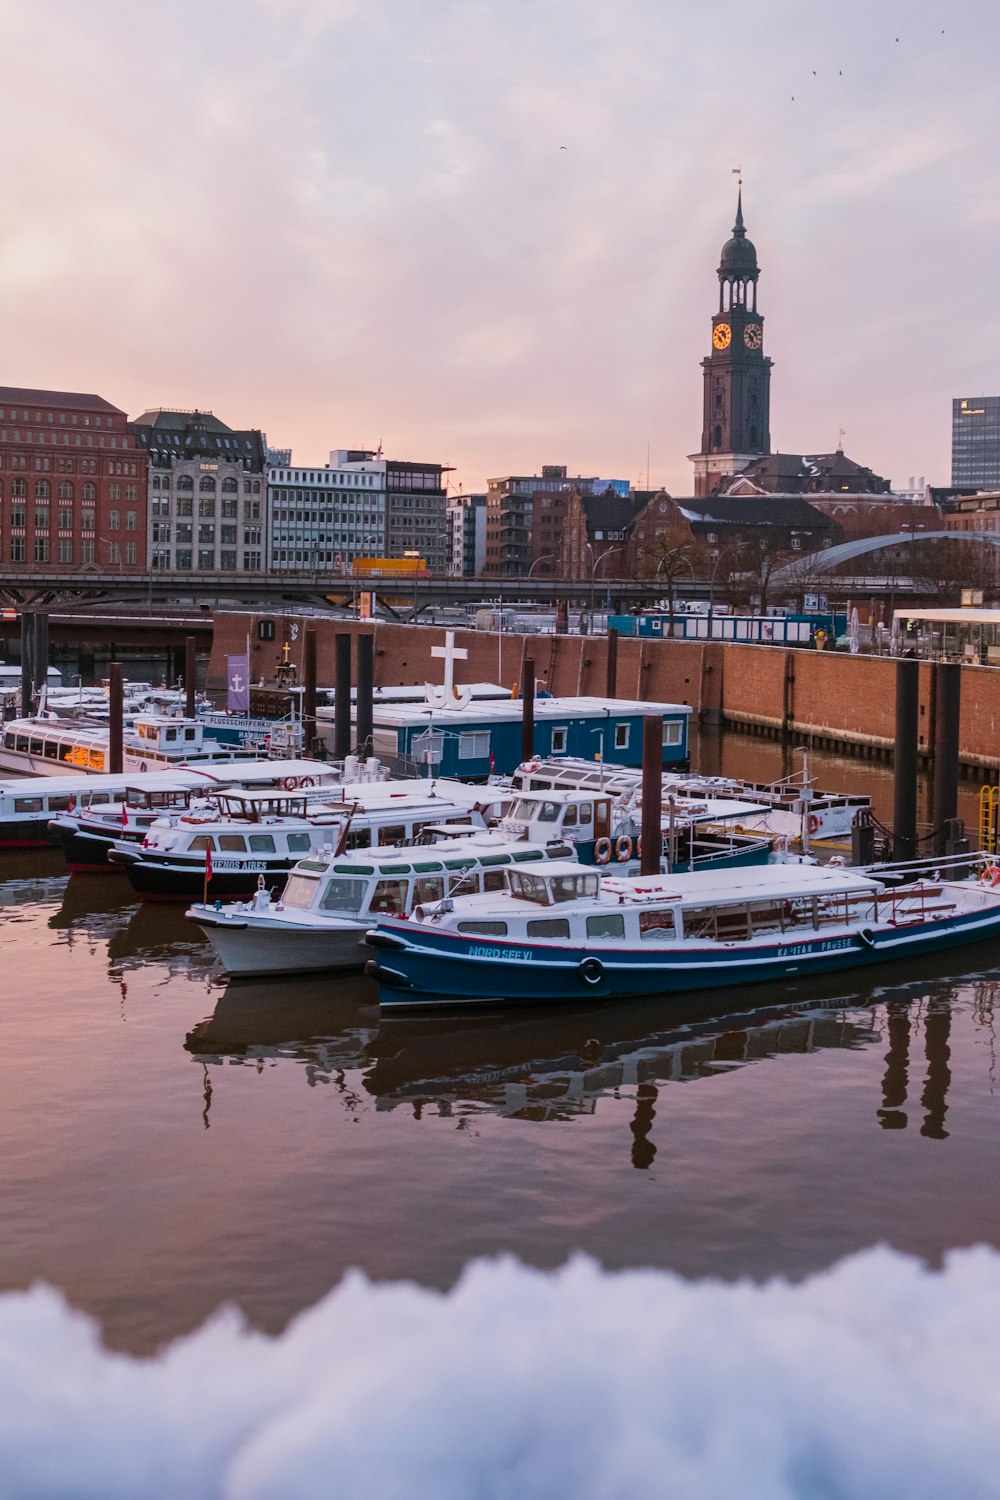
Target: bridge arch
(831,557)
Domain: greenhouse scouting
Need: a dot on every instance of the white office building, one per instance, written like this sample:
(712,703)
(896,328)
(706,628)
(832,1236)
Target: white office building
(321,519)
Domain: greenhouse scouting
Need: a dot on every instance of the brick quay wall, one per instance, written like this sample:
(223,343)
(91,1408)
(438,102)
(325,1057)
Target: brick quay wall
(828,698)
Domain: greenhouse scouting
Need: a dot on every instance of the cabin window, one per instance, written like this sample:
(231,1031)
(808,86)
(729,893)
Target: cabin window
(389,896)
(191,734)
(559,741)
(656,925)
(27,804)
(621,736)
(261,843)
(202,841)
(585,812)
(98,798)
(36,747)
(299,843)
(52,750)
(673,732)
(22,742)
(474,746)
(361,839)
(569,817)
(169,735)
(428,888)
(393,833)
(59,804)
(549,927)
(232,843)
(343,895)
(484,929)
(548,812)
(493,880)
(299,891)
(609,926)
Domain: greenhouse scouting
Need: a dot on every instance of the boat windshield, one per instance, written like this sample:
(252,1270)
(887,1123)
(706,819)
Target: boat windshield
(299,891)
(525,811)
(344,894)
(547,890)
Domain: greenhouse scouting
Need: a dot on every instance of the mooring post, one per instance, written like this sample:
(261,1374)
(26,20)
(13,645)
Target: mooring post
(309,694)
(528,709)
(366,694)
(40,652)
(27,662)
(948,696)
(116,719)
(342,695)
(904,814)
(190,672)
(652,794)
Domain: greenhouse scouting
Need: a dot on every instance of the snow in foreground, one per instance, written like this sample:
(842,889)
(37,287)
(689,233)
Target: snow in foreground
(876,1379)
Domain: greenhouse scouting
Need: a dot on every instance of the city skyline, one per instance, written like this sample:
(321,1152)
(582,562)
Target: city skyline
(487,235)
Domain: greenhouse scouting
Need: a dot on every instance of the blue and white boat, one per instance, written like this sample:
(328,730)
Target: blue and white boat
(563,933)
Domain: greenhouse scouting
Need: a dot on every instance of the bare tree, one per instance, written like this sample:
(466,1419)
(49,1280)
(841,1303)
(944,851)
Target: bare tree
(671,554)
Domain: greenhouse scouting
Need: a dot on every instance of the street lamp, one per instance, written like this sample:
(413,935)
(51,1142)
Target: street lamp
(595,562)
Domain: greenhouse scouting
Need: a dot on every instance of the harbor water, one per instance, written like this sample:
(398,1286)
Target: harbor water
(170,1142)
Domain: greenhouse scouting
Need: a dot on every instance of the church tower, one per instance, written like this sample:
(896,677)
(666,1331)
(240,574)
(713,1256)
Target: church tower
(736,425)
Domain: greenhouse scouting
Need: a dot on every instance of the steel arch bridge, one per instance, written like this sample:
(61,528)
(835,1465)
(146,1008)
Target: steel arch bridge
(831,557)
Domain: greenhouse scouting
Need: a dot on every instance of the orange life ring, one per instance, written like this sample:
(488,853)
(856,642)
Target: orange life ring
(623,848)
(638,847)
(291,783)
(813,824)
(602,851)
(307,781)
(990,876)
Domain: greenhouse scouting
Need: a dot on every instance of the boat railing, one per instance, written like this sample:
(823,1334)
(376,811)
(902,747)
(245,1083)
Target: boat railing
(972,865)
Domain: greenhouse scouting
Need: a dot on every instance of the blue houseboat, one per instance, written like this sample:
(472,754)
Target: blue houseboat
(759,630)
(481,738)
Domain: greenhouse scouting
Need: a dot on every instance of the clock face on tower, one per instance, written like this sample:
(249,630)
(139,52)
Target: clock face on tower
(753,335)
(722,335)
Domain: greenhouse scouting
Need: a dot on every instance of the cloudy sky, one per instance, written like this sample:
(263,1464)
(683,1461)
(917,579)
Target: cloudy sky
(347,221)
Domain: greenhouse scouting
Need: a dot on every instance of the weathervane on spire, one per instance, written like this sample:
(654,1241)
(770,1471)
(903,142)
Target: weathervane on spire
(738,173)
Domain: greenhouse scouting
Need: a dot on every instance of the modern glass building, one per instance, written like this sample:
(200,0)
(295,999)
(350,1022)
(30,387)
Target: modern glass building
(975,441)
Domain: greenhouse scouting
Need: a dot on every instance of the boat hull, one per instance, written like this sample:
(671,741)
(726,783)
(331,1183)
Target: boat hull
(423,968)
(156,880)
(248,945)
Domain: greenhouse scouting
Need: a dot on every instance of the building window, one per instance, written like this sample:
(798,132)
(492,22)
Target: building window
(559,741)
(131,492)
(65,551)
(184,561)
(130,520)
(87,521)
(185,531)
(88,491)
(185,505)
(42,517)
(114,491)
(184,482)
(161,531)
(65,489)
(229,507)
(621,736)
(206,508)
(65,519)
(474,746)
(207,484)
(114,520)
(206,534)
(227,561)
(17,549)
(87,550)
(114,552)
(130,552)
(672,732)
(41,489)
(41,549)
(206,560)
(252,562)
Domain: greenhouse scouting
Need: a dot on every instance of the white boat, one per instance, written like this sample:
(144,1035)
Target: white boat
(791,808)
(247,834)
(561,933)
(330,900)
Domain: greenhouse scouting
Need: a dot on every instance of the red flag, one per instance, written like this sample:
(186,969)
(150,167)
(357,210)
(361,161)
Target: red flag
(208,872)
(491,762)
(124,816)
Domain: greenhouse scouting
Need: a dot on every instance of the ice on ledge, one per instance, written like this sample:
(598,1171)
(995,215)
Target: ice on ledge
(875,1379)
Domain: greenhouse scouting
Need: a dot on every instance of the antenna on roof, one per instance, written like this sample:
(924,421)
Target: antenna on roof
(841,434)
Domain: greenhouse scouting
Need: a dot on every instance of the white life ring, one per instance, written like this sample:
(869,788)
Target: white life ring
(602,851)
(623,848)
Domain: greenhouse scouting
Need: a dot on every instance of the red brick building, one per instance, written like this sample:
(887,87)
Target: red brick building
(72,485)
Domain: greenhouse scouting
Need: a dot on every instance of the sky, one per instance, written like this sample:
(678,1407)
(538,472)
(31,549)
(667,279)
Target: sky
(353,222)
